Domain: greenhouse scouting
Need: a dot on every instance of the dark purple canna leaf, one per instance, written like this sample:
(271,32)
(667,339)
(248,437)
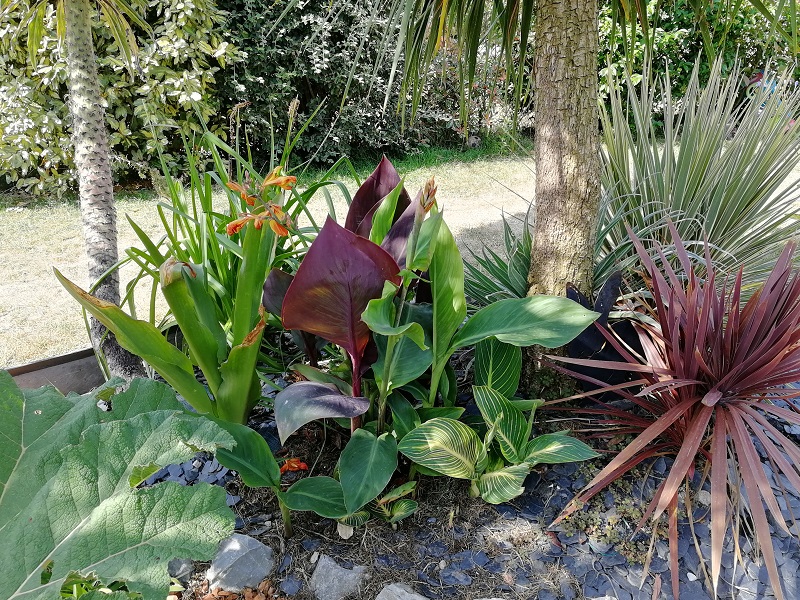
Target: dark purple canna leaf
(307,401)
(376,187)
(713,370)
(339,275)
(275,289)
(396,241)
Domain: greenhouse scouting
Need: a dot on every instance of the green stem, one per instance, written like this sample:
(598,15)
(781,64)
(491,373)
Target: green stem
(383,393)
(286,514)
(474,492)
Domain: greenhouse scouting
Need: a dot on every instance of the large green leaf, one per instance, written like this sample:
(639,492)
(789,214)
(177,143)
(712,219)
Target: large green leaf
(554,448)
(444,445)
(498,365)
(501,486)
(85,517)
(251,457)
(446,273)
(510,425)
(411,354)
(380,317)
(323,495)
(365,467)
(54,421)
(404,417)
(548,321)
(144,340)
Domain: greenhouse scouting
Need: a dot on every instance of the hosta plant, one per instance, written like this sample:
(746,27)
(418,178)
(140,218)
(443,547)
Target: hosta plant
(498,464)
(71,498)
(713,382)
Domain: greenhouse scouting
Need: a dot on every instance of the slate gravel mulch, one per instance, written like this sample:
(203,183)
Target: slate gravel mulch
(461,548)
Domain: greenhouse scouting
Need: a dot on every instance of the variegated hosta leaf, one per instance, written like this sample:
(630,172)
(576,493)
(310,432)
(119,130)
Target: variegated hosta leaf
(501,486)
(510,425)
(554,448)
(402,509)
(444,445)
(498,366)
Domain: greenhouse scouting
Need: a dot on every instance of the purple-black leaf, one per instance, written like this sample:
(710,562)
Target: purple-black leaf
(376,187)
(306,401)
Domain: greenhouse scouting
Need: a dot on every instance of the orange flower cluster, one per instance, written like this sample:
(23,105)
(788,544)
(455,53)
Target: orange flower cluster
(293,464)
(271,213)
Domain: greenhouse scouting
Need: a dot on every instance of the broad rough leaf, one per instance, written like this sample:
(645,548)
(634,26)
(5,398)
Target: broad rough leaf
(548,321)
(498,365)
(365,467)
(555,448)
(50,420)
(306,401)
(444,445)
(74,517)
(339,275)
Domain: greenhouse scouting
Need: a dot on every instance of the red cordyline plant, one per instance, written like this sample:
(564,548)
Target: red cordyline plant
(712,378)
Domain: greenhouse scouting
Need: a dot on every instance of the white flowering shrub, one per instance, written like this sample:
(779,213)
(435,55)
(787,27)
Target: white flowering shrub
(174,83)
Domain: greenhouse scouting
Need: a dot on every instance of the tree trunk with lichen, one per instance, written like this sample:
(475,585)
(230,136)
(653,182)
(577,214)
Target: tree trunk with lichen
(566,146)
(92,161)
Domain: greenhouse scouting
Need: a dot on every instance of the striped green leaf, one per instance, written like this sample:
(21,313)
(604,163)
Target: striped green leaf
(444,445)
(554,448)
(402,509)
(510,425)
(501,486)
(498,366)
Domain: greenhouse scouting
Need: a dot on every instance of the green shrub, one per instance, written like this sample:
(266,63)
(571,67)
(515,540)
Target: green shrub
(174,83)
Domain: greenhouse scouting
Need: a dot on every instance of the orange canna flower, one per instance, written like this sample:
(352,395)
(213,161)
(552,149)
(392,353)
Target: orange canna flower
(293,464)
(272,214)
(278,228)
(285,182)
(243,192)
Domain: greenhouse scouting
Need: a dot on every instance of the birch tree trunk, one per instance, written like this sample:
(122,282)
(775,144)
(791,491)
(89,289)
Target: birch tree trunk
(92,161)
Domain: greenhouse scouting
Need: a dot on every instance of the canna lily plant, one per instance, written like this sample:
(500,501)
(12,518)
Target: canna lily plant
(227,359)
(352,290)
(714,378)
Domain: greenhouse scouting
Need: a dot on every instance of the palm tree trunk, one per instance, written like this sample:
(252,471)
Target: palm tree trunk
(566,147)
(94,174)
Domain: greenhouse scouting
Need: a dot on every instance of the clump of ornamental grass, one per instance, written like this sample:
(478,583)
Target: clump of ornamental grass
(713,380)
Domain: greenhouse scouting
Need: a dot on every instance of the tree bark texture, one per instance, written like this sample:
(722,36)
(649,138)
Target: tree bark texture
(566,146)
(92,161)
(566,151)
